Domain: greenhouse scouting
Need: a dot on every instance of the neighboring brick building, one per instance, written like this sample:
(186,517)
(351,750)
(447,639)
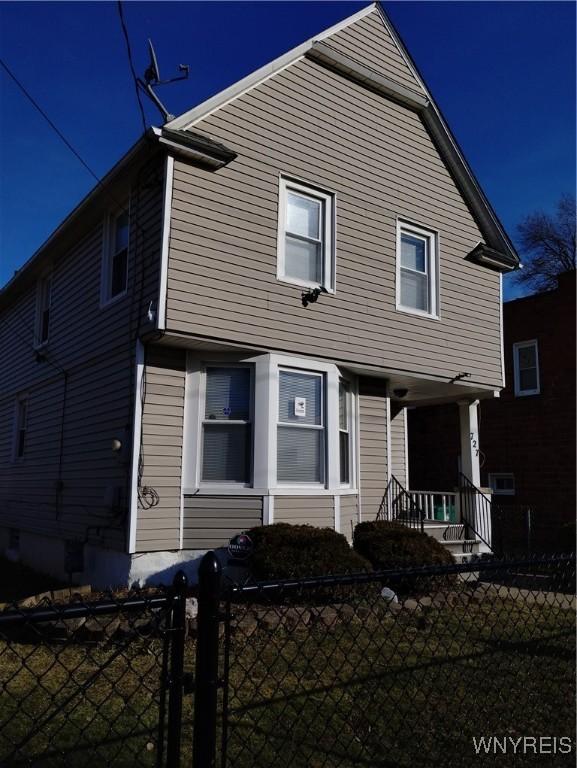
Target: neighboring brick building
(527,436)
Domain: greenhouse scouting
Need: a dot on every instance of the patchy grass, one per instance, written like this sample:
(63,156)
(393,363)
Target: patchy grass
(406,691)
(17,581)
(367,692)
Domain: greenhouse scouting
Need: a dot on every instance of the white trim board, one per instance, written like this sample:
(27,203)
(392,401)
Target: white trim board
(166,211)
(136,439)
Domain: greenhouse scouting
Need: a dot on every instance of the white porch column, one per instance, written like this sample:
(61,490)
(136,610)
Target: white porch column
(469,425)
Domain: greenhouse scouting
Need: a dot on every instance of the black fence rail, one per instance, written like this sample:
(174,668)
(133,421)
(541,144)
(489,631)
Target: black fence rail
(441,666)
(93,683)
(414,668)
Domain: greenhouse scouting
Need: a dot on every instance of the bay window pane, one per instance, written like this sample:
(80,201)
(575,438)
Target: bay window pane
(303,260)
(225,453)
(300,398)
(303,216)
(414,290)
(300,454)
(413,253)
(344,456)
(343,406)
(227,394)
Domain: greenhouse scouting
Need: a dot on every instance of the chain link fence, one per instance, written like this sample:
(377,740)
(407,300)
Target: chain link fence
(88,683)
(435,667)
(448,666)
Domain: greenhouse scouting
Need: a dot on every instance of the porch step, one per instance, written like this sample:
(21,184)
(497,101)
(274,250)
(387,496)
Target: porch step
(460,548)
(437,529)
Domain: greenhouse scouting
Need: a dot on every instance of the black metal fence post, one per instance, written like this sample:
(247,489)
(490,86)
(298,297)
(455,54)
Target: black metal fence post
(176,673)
(206,680)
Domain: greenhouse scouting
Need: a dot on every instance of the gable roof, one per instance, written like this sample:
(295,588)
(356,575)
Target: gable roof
(386,66)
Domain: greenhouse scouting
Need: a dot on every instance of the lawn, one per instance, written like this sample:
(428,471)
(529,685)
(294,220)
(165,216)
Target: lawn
(371,689)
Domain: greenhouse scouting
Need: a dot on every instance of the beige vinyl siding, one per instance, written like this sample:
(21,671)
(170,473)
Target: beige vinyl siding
(95,347)
(305,510)
(377,156)
(399,444)
(369,42)
(349,515)
(158,522)
(372,445)
(211,521)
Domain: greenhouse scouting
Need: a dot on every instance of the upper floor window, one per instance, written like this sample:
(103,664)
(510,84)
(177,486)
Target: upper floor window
(20,427)
(43,305)
(226,426)
(301,427)
(306,235)
(526,368)
(115,261)
(417,270)
(502,483)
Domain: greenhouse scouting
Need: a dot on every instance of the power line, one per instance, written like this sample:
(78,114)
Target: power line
(131,63)
(48,120)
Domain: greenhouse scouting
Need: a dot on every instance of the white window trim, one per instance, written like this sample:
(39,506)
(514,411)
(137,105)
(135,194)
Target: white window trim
(24,397)
(516,347)
(40,291)
(432,235)
(202,420)
(106,261)
(493,476)
(264,427)
(286,184)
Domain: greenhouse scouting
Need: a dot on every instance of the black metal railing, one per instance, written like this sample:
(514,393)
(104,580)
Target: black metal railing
(397,505)
(475,508)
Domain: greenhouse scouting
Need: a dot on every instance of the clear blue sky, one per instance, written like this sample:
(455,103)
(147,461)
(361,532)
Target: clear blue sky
(503,74)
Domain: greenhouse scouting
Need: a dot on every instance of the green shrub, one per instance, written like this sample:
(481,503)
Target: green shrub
(392,545)
(283,551)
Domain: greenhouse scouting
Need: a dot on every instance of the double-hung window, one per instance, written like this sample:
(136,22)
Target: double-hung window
(345,432)
(526,368)
(417,270)
(115,265)
(306,235)
(21,427)
(43,305)
(301,430)
(226,425)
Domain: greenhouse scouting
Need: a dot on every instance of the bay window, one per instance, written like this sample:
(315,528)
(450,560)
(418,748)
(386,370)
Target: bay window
(301,428)
(344,432)
(226,426)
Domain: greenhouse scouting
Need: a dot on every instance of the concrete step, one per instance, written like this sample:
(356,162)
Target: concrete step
(436,530)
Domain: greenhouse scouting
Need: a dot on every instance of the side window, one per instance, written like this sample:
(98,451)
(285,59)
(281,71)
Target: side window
(43,307)
(227,426)
(502,483)
(306,240)
(20,427)
(345,432)
(301,429)
(526,368)
(417,269)
(115,258)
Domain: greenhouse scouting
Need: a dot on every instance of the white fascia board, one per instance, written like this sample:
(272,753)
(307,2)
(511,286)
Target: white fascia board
(189,118)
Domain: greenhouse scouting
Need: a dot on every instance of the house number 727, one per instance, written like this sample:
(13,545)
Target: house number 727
(474,441)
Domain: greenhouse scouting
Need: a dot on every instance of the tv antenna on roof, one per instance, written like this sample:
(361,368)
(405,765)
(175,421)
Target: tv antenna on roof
(152,80)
